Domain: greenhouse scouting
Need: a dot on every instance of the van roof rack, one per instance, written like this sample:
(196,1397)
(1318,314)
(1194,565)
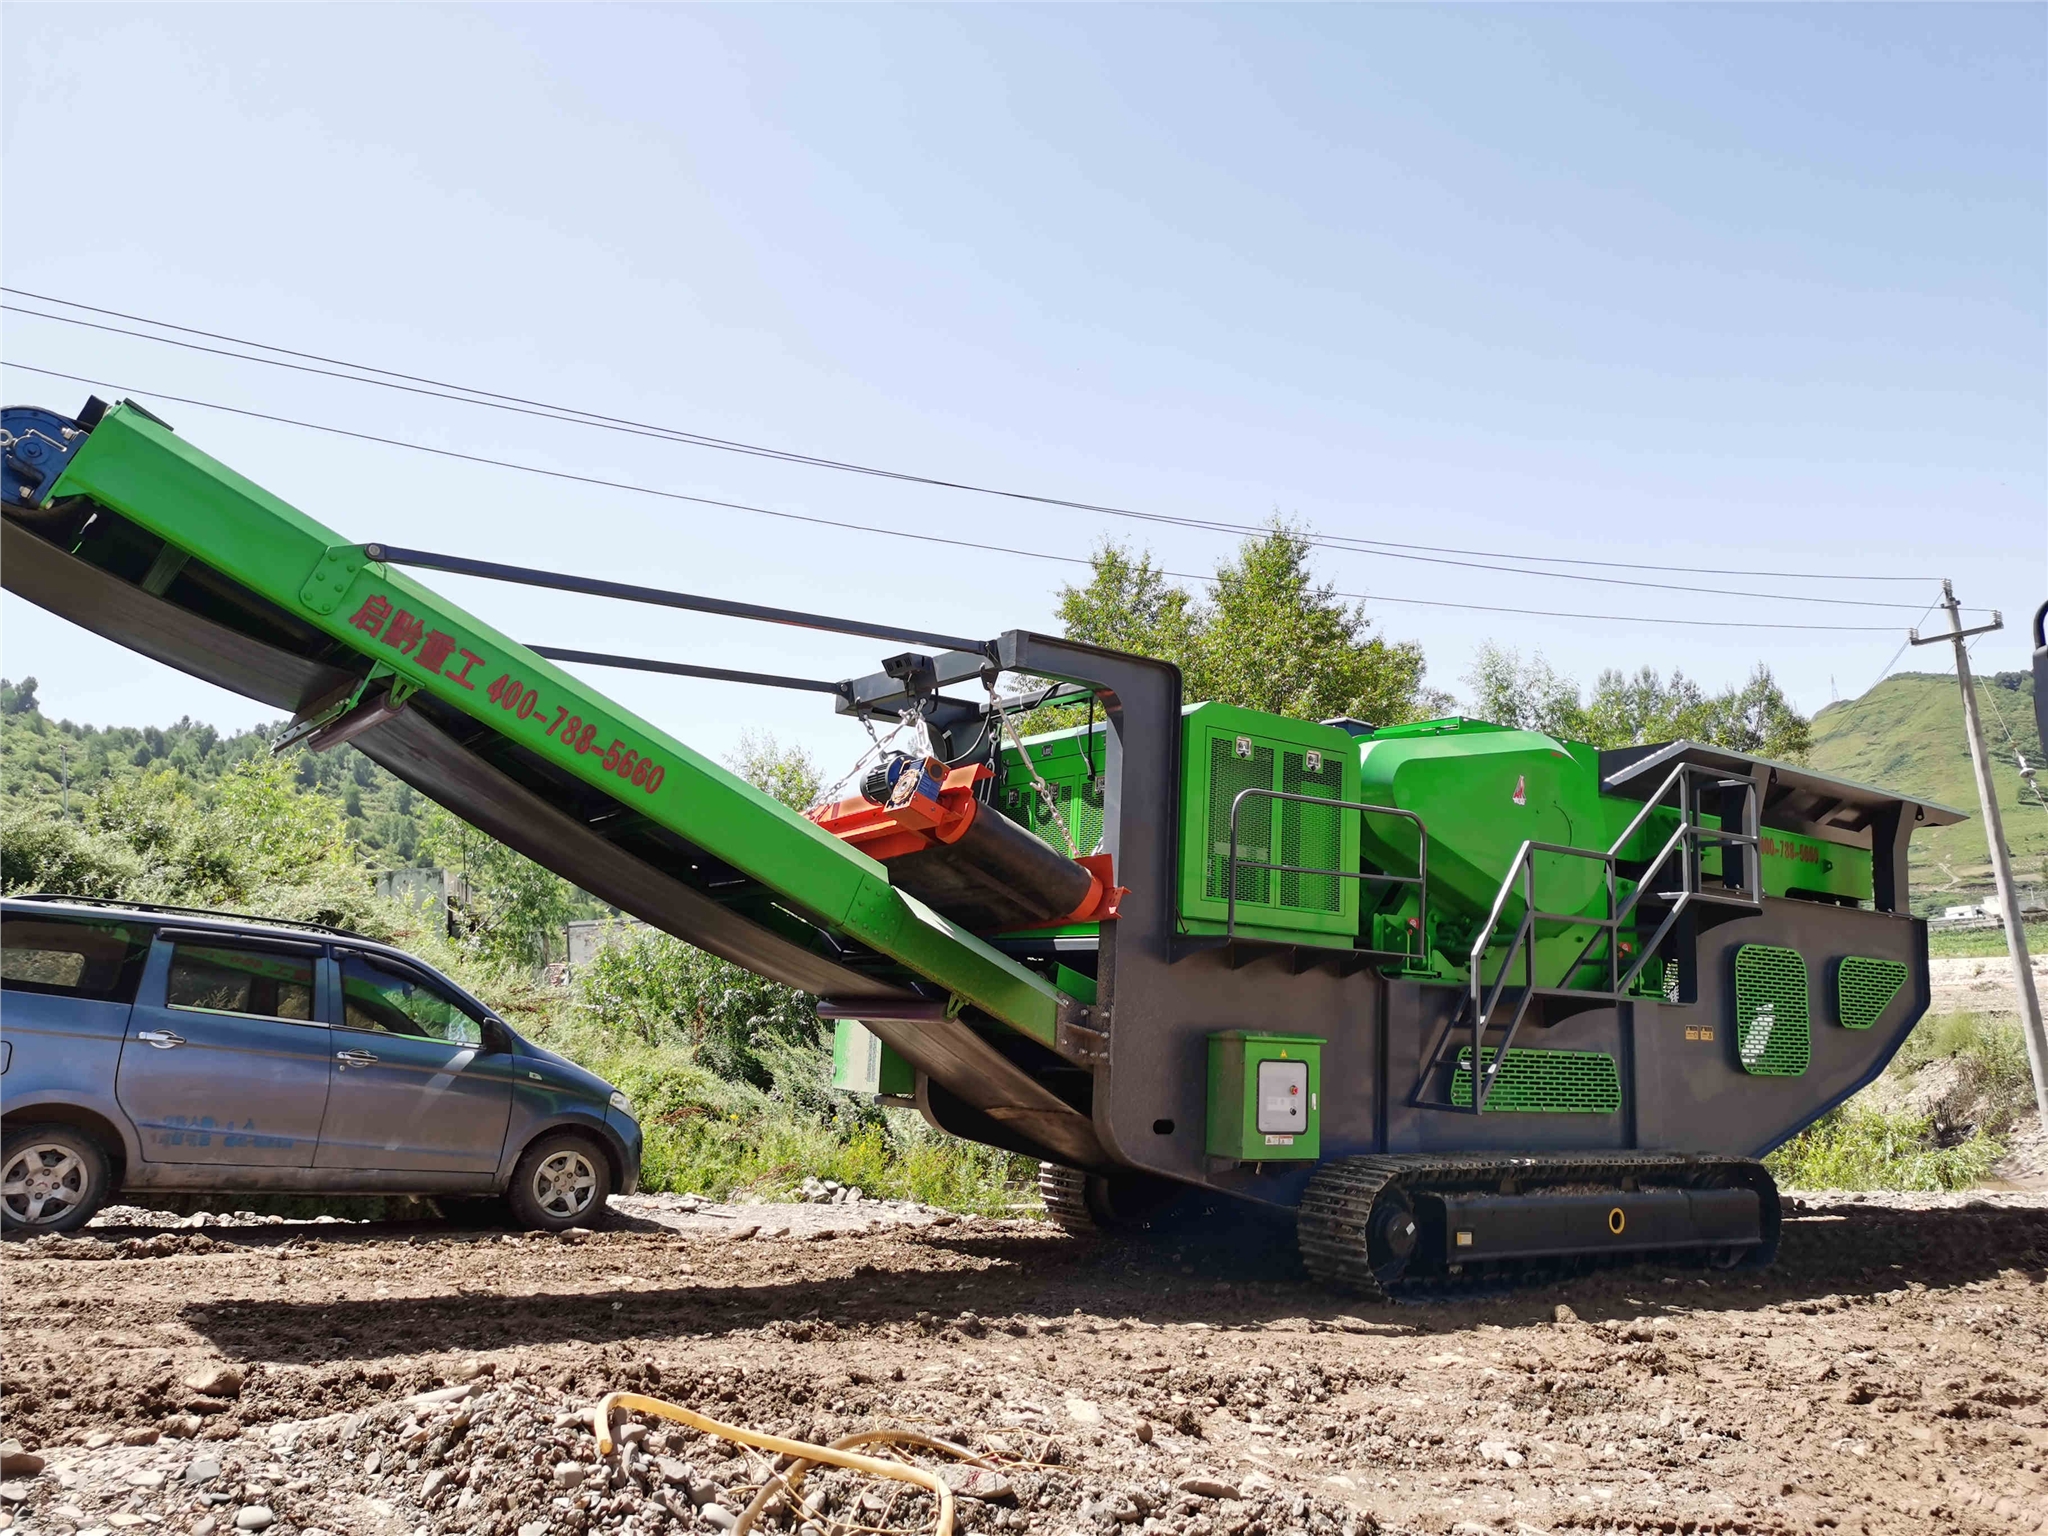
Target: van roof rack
(212,912)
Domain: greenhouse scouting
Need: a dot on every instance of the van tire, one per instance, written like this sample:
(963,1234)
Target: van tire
(53,1178)
(562,1180)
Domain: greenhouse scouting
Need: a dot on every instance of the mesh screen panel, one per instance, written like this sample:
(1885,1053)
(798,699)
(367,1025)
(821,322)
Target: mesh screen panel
(1773,1033)
(1040,819)
(1229,775)
(1543,1082)
(1084,814)
(1309,835)
(1864,988)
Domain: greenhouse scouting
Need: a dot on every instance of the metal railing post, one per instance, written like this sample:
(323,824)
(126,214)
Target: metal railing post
(1420,879)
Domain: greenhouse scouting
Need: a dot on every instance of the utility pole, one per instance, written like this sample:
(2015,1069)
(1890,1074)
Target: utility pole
(1994,835)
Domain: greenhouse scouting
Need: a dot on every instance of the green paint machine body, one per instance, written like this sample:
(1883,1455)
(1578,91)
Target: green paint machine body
(1425,985)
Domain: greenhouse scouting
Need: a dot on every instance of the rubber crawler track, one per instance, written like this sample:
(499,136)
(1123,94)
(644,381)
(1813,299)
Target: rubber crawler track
(1333,1222)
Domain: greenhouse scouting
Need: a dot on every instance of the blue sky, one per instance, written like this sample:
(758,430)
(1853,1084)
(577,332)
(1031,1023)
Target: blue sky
(1705,287)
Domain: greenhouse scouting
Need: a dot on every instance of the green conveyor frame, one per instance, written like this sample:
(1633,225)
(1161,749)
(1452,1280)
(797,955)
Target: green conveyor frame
(794,878)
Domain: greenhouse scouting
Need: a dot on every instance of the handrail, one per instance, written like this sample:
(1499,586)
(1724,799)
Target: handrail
(1687,835)
(1420,879)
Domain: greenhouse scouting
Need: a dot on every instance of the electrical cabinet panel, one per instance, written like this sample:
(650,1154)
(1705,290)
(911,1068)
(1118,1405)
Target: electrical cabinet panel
(1265,1097)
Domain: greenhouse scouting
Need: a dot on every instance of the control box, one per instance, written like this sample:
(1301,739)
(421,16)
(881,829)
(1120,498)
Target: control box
(1265,1097)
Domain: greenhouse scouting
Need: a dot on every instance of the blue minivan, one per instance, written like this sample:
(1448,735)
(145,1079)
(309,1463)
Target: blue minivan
(160,1049)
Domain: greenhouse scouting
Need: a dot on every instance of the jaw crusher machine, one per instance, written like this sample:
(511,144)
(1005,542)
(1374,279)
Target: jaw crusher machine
(1460,999)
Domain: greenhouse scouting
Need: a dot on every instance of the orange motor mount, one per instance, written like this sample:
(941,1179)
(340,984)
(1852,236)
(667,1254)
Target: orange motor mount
(947,848)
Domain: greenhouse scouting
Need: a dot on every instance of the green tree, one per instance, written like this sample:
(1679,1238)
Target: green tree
(790,774)
(513,906)
(1129,605)
(1524,695)
(1635,708)
(1757,717)
(1271,636)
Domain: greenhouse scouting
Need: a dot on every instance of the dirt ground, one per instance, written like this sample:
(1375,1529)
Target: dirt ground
(1887,1376)
(1979,983)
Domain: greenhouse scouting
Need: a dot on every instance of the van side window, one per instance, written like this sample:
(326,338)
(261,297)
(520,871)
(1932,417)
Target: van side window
(73,957)
(266,983)
(377,995)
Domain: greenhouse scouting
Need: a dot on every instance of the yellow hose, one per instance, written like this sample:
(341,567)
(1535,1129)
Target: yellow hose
(791,1479)
(803,1453)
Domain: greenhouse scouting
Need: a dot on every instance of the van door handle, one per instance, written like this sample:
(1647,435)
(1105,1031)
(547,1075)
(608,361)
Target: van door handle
(355,1058)
(162,1039)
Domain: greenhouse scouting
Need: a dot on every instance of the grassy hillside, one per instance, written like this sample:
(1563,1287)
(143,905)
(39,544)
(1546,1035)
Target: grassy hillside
(1907,734)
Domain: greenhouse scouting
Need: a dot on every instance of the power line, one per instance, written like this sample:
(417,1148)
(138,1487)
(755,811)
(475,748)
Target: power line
(1886,670)
(1324,541)
(467,394)
(898,533)
(2018,756)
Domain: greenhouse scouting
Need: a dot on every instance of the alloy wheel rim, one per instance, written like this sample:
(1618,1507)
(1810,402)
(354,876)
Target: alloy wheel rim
(565,1184)
(43,1183)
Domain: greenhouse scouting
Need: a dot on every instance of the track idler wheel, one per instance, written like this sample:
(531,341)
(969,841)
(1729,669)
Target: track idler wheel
(1113,1202)
(1356,1227)
(1065,1193)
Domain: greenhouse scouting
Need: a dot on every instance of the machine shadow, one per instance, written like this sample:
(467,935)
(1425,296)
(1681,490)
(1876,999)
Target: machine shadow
(1222,1280)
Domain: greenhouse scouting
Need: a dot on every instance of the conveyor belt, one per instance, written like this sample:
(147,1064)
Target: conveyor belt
(144,540)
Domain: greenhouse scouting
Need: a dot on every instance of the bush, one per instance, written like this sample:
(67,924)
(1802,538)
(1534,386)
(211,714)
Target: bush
(647,986)
(1858,1147)
(713,1137)
(1985,1082)
(732,1078)
(39,852)
(1936,1119)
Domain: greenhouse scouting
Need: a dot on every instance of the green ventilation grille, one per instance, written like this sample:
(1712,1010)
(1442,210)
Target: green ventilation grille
(1235,765)
(1311,837)
(1538,1082)
(1773,1035)
(1864,988)
(1078,800)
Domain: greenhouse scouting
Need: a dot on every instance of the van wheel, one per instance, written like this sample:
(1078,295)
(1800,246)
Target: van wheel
(52,1179)
(562,1181)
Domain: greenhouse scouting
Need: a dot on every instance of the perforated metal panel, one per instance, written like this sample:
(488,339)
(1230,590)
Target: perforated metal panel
(1773,1030)
(1864,988)
(1235,765)
(1539,1082)
(1310,837)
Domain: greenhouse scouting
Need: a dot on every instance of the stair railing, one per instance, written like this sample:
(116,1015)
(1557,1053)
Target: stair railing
(1685,840)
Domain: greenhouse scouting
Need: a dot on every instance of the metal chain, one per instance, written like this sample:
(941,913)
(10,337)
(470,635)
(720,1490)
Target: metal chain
(880,746)
(1045,794)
